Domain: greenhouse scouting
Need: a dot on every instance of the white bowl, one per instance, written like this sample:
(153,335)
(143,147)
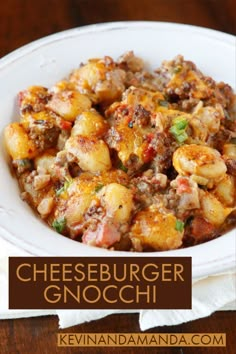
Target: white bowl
(47,60)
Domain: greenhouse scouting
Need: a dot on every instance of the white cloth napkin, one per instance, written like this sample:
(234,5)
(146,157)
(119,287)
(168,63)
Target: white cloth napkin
(210,294)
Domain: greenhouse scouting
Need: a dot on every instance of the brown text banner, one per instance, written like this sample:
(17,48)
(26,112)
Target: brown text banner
(100,282)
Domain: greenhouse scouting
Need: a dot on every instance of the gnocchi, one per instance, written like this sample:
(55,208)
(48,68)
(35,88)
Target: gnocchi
(18,144)
(91,154)
(117,157)
(156,230)
(202,162)
(68,104)
(118,201)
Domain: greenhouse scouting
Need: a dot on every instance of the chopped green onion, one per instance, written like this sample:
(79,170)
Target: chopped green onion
(59,191)
(122,167)
(182,137)
(64,188)
(175,131)
(227,116)
(22,165)
(163,103)
(24,162)
(179,225)
(130,124)
(180,119)
(99,187)
(178,129)
(179,134)
(177,69)
(181,124)
(59,224)
(68,183)
(40,121)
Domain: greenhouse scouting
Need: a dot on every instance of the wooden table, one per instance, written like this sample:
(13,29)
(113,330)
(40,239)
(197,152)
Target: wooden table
(22,21)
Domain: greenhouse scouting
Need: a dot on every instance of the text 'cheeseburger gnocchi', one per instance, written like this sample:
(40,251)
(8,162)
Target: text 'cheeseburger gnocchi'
(121,158)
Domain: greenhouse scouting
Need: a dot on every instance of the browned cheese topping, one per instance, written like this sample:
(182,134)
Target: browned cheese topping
(121,158)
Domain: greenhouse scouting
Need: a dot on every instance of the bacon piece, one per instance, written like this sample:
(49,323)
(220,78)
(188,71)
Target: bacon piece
(201,229)
(104,236)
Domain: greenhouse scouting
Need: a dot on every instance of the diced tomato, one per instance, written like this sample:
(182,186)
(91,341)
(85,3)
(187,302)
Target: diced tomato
(65,125)
(149,137)
(149,153)
(123,110)
(183,186)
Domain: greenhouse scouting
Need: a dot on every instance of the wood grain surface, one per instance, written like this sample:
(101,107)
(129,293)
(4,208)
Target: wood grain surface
(22,21)
(39,335)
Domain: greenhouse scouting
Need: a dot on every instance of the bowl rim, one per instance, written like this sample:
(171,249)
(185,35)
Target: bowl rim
(111,26)
(214,266)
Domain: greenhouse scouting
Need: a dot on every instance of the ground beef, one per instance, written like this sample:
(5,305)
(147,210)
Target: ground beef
(44,134)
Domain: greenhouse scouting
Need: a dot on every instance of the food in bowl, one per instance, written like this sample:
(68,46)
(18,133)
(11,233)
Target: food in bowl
(117,157)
